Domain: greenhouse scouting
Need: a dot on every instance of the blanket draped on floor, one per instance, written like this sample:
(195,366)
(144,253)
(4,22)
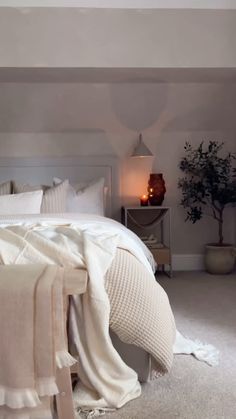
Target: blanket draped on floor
(106,381)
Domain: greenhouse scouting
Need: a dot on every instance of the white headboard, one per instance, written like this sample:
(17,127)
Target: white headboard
(76,169)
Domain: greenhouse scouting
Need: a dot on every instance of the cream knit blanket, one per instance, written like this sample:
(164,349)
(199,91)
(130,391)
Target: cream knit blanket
(140,310)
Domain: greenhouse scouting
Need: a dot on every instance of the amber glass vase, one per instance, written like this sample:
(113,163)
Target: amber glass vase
(156,189)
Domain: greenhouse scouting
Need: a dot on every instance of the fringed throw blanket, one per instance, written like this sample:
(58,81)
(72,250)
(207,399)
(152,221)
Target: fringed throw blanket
(32,337)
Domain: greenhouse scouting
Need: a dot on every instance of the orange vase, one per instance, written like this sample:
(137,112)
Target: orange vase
(156,189)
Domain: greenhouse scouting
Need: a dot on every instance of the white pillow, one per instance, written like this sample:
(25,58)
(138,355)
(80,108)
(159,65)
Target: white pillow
(86,200)
(22,203)
(54,198)
(26,187)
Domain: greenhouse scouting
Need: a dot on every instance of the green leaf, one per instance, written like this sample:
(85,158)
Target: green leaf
(209,179)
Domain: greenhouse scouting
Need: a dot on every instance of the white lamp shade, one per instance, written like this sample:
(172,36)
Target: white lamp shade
(141,150)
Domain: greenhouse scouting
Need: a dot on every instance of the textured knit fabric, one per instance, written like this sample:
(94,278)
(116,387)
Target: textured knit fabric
(140,310)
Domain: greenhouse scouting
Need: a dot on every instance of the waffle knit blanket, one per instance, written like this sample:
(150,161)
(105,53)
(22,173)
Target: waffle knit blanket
(140,310)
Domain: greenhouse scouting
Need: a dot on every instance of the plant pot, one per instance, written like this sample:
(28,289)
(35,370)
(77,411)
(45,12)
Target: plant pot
(220,259)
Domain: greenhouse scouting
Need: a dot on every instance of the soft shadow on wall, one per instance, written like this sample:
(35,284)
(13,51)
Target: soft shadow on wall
(137,107)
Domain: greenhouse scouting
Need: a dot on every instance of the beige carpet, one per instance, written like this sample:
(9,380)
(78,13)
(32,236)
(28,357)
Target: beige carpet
(204,308)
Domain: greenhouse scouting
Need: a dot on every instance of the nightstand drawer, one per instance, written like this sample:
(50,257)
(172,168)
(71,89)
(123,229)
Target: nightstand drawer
(162,256)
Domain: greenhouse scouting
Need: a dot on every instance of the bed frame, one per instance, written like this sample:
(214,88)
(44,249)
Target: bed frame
(76,169)
(64,399)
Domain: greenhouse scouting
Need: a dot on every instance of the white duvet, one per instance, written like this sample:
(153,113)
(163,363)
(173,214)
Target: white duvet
(90,223)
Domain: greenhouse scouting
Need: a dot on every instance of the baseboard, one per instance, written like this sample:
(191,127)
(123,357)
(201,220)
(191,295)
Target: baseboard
(187,262)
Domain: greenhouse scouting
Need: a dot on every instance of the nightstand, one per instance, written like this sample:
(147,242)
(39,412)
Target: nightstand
(153,225)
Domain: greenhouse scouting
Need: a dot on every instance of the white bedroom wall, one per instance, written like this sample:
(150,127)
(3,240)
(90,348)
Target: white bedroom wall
(59,119)
(117,38)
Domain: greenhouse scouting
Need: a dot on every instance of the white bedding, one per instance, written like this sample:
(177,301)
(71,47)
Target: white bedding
(91,242)
(94,248)
(85,221)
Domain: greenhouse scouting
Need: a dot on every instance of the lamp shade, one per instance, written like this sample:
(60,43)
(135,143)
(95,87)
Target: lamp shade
(141,150)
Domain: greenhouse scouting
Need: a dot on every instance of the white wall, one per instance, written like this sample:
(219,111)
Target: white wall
(58,119)
(54,119)
(67,37)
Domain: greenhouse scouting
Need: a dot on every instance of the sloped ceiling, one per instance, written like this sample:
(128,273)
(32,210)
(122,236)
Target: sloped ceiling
(128,87)
(117,107)
(117,38)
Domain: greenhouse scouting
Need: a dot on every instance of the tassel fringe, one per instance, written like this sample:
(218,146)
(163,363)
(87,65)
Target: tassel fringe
(46,386)
(92,413)
(155,375)
(16,399)
(64,359)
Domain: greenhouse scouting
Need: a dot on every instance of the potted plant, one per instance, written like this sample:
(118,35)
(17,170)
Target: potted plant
(209,186)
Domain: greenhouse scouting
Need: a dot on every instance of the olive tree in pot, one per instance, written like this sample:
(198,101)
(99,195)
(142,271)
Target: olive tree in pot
(208,187)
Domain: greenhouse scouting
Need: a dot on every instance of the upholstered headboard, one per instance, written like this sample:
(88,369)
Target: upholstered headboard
(76,169)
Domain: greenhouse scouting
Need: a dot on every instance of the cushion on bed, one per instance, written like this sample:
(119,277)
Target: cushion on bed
(26,187)
(54,199)
(6,188)
(87,199)
(22,203)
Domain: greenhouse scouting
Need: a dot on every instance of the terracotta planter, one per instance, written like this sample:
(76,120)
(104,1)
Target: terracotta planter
(156,189)
(220,259)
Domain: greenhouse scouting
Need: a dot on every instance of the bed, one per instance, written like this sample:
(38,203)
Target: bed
(122,289)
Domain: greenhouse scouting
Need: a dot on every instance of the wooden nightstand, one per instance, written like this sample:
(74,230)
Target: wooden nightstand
(153,225)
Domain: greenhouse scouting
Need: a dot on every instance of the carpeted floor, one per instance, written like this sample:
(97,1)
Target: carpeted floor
(205,309)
